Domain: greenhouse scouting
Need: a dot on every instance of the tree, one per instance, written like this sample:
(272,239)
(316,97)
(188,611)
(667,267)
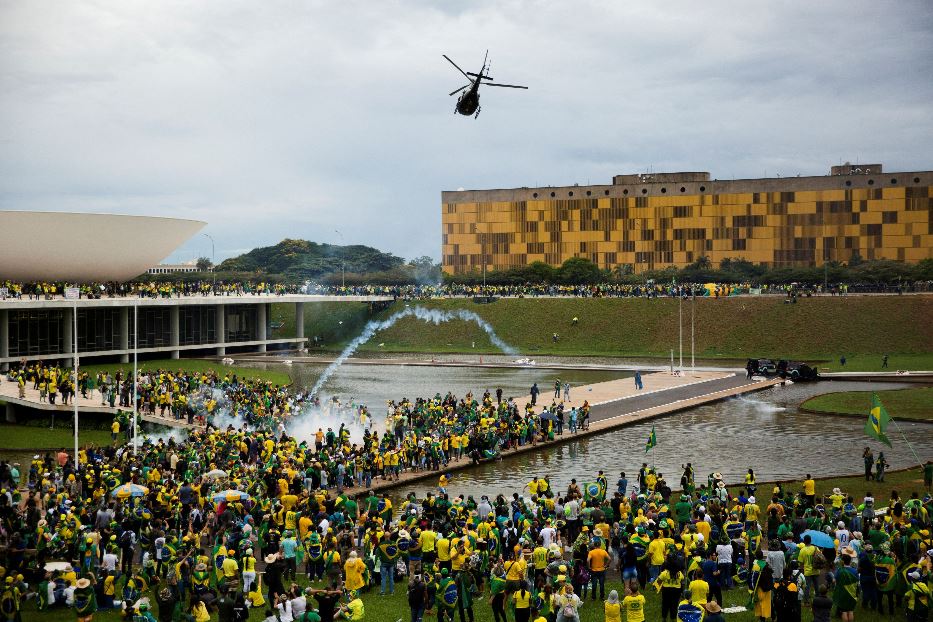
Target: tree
(204,264)
(579,270)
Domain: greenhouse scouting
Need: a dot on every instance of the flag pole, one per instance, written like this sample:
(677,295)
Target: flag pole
(909,446)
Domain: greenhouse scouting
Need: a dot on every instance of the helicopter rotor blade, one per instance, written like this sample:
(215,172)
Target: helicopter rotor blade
(508,86)
(460,89)
(481,77)
(457,66)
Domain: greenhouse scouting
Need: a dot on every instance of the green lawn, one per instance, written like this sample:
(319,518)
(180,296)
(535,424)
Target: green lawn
(192,365)
(903,481)
(34,437)
(872,362)
(818,330)
(902,404)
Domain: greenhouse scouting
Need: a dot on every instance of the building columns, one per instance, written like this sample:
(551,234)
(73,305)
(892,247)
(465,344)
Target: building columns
(300,320)
(124,334)
(261,321)
(4,338)
(220,330)
(173,322)
(68,318)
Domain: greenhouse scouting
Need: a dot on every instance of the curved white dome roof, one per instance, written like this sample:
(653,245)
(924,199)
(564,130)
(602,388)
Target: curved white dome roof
(63,246)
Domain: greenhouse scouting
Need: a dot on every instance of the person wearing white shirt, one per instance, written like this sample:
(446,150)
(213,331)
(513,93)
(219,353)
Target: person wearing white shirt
(548,535)
(724,560)
(843,535)
(109,562)
(284,607)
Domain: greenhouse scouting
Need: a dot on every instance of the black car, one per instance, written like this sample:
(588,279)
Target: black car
(762,367)
(797,371)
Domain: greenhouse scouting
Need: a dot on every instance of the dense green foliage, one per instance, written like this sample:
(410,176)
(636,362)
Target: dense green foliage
(301,259)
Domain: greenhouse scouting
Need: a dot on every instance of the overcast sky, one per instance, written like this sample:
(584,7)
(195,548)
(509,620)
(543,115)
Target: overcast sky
(276,119)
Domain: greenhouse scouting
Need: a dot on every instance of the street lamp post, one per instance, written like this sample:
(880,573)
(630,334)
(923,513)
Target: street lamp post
(213,264)
(343,261)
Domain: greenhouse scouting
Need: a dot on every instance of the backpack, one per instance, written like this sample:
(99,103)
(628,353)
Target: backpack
(766,579)
(819,560)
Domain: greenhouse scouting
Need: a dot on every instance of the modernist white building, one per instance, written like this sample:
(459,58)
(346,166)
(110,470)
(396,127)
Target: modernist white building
(51,246)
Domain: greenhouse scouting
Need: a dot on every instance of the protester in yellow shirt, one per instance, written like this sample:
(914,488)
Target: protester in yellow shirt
(634,605)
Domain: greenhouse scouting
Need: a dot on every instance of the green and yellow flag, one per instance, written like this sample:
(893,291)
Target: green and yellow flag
(877,422)
(652,440)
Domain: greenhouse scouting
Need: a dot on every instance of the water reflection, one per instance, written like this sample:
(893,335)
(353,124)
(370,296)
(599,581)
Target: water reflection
(764,431)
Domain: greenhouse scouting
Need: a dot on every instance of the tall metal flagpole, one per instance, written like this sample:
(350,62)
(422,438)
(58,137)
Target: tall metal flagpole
(693,304)
(135,371)
(911,447)
(75,362)
(680,323)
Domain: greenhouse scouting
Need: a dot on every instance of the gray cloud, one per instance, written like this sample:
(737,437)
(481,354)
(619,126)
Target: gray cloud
(275,119)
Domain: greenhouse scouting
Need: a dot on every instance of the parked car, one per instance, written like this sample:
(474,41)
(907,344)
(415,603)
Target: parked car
(763,367)
(797,371)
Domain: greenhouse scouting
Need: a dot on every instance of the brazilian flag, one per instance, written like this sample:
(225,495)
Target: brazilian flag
(592,490)
(878,419)
(652,440)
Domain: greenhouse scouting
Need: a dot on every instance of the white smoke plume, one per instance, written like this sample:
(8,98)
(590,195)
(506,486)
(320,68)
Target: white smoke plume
(435,316)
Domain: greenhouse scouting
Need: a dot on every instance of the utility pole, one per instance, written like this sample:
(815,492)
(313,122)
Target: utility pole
(693,305)
(680,325)
(74,401)
(213,261)
(343,259)
(136,370)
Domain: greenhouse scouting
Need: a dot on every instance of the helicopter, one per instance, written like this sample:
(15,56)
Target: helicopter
(468,102)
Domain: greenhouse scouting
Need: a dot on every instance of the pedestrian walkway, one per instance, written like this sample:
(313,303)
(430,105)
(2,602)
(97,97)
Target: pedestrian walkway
(619,407)
(621,389)
(9,393)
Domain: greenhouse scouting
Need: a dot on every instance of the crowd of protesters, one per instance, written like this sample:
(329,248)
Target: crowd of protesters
(242,516)
(650,289)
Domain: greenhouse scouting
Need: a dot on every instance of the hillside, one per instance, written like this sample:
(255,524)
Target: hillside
(863,328)
(301,259)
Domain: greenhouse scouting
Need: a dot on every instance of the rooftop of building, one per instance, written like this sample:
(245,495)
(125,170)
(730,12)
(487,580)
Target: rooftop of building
(845,176)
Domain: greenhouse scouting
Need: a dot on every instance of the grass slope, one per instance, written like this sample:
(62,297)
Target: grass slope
(863,328)
(33,437)
(902,404)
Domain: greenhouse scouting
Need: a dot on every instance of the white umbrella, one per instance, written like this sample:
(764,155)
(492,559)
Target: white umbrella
(216,473)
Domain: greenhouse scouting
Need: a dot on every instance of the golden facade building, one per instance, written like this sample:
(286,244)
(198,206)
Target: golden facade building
(652,221)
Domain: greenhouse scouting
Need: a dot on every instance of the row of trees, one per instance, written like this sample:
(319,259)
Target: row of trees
(731,270)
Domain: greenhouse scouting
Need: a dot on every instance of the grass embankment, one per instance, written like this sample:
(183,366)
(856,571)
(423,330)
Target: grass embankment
(861,328)
(33,437)
(904,481)
(195,365)
(915,404)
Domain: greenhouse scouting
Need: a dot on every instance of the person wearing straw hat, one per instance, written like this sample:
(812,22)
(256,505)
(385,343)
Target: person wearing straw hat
(713,612)
(85,600)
